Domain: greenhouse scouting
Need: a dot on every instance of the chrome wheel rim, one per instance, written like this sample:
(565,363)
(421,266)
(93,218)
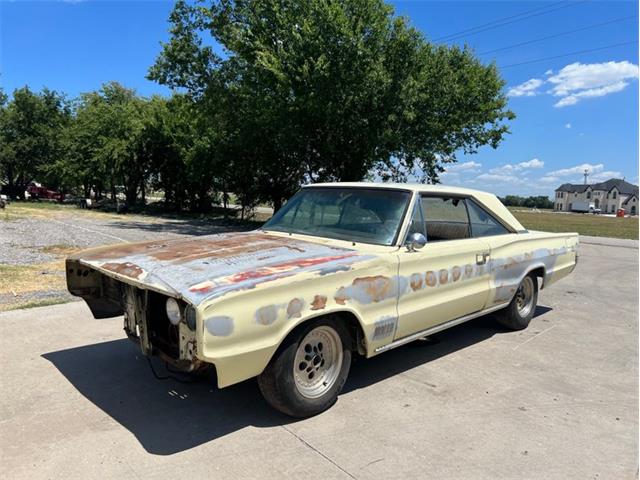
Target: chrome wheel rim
(524,297)
(318,362)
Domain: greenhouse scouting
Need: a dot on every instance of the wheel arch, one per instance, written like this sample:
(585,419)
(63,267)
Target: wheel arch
(540,272)
(352,321)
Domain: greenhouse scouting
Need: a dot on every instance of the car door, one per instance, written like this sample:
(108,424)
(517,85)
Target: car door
(447,278)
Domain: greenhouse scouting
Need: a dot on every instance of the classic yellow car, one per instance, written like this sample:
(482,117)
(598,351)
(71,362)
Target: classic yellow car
(342,269)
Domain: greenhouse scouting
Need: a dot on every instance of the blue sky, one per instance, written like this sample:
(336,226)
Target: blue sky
(573,112)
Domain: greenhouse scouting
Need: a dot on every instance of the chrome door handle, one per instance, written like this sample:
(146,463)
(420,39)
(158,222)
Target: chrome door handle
(481,258)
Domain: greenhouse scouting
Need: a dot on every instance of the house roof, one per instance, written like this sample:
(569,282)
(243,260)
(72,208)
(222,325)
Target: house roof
(629,199)
(571,187)
(623,187)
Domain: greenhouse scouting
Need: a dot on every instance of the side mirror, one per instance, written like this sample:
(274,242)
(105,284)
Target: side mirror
(416,241)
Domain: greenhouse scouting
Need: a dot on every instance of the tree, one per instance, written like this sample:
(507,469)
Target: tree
(31,128)
(329,90)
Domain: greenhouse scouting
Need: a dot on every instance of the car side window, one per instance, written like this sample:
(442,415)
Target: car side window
(446,218)
(482,223)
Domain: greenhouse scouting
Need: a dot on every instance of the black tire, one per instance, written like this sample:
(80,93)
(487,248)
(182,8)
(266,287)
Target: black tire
(277,382)
(513,317)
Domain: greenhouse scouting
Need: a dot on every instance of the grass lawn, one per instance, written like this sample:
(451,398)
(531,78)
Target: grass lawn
(584,224)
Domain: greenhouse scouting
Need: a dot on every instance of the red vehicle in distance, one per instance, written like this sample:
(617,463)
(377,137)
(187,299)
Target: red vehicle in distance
(36,191)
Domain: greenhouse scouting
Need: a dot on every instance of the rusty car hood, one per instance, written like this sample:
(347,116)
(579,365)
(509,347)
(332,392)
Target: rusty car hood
(210,266)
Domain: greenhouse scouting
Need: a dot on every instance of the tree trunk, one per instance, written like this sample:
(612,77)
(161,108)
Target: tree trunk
(276,200)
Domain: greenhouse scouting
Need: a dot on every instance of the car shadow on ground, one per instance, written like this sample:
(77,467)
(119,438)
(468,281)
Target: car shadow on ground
(168,417)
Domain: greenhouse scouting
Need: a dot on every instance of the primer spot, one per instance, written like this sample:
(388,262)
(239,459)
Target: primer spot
(431,279)
(294,308)
(221,326)
(267,315)
(443,276)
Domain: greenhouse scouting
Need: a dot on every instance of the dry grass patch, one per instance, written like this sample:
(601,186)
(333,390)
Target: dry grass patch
(19,279)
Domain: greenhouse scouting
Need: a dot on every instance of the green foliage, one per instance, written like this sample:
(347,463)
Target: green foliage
(31,127)
(329,90)
(540,201)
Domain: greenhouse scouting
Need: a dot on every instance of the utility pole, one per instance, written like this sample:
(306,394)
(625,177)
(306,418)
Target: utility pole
(586,174)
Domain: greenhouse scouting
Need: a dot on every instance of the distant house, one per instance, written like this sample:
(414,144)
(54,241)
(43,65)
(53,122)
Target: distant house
(608,196)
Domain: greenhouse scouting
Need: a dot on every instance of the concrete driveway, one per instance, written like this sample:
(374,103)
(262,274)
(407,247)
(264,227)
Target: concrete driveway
(556,401)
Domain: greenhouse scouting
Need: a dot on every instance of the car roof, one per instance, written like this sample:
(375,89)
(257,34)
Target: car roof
(415,187)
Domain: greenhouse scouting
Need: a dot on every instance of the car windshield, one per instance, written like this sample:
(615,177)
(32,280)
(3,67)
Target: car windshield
(353,214)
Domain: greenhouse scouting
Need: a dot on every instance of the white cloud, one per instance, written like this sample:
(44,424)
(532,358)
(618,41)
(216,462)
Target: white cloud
(578,81)
(455,168)
(526,89)
(603,176)
(591,93)
(575,174)
(568,125)
(493,178)
(533,163)
(577,170)
(508,168)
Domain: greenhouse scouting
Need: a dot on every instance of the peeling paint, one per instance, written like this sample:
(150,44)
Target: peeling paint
(443,276)
(220,326)
(431,279)
(126,269)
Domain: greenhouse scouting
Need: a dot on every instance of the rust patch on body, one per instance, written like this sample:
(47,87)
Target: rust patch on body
(443,276)
(373,289)
(294,308)
(125,269)
(181,250)
(455,273)
(319,302)
(378,287)
(416,281)
(431,279)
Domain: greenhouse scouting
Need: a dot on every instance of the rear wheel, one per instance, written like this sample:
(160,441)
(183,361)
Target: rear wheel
(309,370)
(523,305)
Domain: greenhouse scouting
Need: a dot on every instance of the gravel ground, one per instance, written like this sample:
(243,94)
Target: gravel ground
(25,241)
(22,240)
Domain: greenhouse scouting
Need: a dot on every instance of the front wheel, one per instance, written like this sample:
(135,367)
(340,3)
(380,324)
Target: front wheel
(309,370)
(523,305)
